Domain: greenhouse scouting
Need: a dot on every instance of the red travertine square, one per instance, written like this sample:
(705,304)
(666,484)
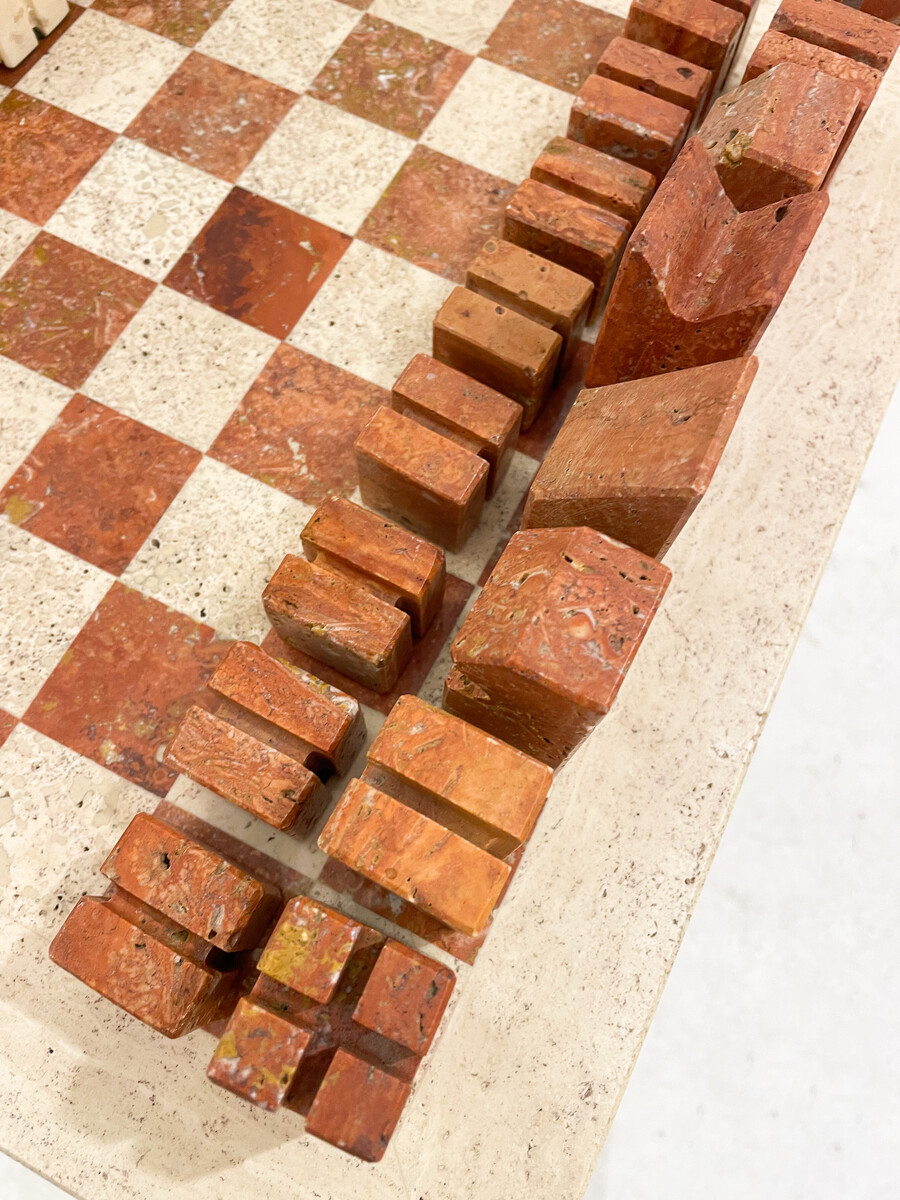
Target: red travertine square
(699,281)
(539,289)
(461,768)
(413,856)
(635,126)
(394,564)
(240,768)
(309,948)
(190,884)
(650,70)
(405,997)
(555,628)
(840,28)
(258,1055)
(325,720)
(700,31)
(499,347)
(634,460)
(777,136)
(338,622)
(601,180)
(478,417)
(421,478)
(568,231)
(357,1107)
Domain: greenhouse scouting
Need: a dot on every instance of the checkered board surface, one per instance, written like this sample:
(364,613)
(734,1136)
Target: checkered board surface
(224,230)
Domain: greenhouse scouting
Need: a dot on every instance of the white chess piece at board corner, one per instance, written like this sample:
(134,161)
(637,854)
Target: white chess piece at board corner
(18,21)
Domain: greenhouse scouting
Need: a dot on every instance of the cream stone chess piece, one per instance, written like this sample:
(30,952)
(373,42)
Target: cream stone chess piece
(19,19)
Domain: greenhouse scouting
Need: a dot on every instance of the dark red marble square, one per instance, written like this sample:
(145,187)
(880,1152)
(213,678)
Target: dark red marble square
(295,428)
(10,76)
(212,116)
(121,688)
(557,42)
(45,153)
(7,725)
(61,308)
(390,75)
(183,21)
(423,657)
(259,262)
(96,483)
(438,213)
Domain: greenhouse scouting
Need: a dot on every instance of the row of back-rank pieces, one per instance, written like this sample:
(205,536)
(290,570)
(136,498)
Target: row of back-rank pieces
(339,1016)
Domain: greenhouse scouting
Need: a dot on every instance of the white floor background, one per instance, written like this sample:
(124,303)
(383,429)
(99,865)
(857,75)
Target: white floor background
(772,1069)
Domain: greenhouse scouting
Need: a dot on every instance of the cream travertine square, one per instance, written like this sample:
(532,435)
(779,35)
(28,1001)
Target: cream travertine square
(103,69)
(465,24)
(469,562)
(216,546)
(139,208)
(476,122)
(52,594)
(181,367)
(373,314)
(338,184)
(15,234)
(29,404)
(284,41)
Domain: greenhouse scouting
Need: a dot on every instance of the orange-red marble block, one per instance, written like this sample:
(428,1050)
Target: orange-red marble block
(476,416)
(568,231)
(554,631)
(498,347)
(700,31)
(778,135)
(649,70)
(323,726)
(240,768)
(885,10)
(432,484)
(394,564)
(699,281)
(601,180)
(633,460)
(539,289)
(840,28)
(338,622)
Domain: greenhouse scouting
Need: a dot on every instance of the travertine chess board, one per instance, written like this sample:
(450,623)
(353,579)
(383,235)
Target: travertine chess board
(221,239)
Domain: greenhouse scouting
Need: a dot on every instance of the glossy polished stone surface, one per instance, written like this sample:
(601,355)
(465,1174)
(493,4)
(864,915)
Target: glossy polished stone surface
(591,175)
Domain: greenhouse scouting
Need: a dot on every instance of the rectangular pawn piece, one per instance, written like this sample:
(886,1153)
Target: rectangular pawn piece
(601,180)
(323,724)
(338,622)
(539,289)
(778,135)
(258,1055)
(699,31)
(414,857)
(647,69)
(633,460)
(568,231)
(476,416)
(420,477)
(240,768)
(401,568)
(499,347)
(404,998)
(357,1106)
(840,28)
(17,36)
(635,126)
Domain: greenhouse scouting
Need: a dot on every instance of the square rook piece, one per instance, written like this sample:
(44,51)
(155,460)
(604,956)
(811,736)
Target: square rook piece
(700,281)
(430,483)
(367,588)
(635,126)
(649,70)
(164,943)
(499,347)
(548,641)
(569,231)
(635,459)
(439,815)
(700,31)
(476,416)
(601,180)
(334,1028)
(840,28)
(539,289)
(778,135)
